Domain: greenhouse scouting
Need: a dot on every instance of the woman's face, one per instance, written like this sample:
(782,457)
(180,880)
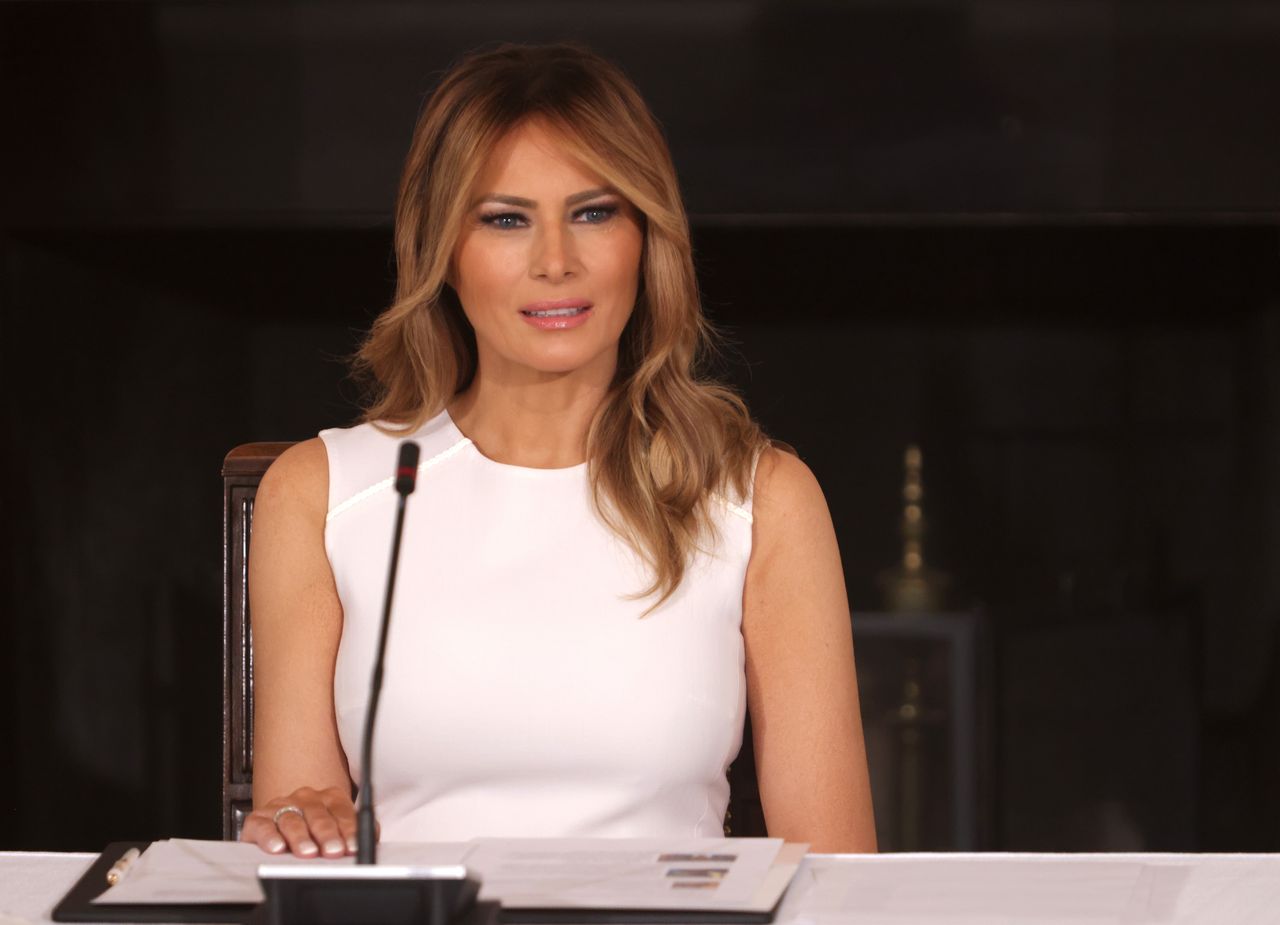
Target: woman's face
(548,262)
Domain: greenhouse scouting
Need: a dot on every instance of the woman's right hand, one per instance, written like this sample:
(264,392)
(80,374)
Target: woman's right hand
(324,824)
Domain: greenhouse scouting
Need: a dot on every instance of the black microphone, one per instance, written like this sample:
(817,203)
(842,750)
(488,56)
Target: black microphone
(366,838)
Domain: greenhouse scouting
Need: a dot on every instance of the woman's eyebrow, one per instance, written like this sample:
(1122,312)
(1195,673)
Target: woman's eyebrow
(587,194)
(508,200)
(521,202)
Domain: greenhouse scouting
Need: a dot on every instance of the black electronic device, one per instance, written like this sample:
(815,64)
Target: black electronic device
(374,894)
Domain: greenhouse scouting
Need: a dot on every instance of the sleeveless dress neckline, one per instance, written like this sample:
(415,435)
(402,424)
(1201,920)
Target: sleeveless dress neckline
(530,471)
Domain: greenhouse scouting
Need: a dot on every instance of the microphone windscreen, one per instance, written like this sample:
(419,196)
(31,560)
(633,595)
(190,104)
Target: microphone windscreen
(407,468)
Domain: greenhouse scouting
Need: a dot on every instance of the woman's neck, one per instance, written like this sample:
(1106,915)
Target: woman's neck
(540,425)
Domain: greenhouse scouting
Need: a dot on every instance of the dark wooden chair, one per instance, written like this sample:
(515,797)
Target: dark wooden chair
(242,470)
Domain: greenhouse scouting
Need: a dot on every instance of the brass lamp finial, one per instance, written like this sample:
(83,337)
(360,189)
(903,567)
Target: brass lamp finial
(912,587)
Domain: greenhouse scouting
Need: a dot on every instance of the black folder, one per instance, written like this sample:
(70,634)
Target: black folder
(78,905)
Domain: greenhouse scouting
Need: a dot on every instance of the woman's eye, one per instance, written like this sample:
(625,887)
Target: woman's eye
(503,220)
(594,215)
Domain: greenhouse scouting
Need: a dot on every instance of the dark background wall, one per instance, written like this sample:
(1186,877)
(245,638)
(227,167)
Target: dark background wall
(1038,238)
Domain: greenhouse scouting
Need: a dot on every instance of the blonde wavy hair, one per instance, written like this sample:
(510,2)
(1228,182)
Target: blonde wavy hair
(667,443)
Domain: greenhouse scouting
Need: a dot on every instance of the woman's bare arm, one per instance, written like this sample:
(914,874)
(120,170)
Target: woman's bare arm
(297,624)
(801,684)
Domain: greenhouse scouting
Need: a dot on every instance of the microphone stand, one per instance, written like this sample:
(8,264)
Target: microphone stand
(369,893)
(366,827)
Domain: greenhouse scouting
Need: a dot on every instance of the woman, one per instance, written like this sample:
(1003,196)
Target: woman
(604,562)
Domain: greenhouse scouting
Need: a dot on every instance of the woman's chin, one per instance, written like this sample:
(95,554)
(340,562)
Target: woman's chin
(570,362)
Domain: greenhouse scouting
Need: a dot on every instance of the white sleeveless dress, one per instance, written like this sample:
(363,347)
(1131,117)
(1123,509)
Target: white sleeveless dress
(524,693)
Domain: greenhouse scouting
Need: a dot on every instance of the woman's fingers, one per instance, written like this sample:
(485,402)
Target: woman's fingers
(261,831)
(344,814)
(325,831)
(309,823)
(314,831)
(296,829)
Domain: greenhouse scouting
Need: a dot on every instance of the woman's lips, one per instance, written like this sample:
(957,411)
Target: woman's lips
(557,314)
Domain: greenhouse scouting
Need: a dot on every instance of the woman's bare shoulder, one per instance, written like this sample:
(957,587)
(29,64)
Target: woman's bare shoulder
(794,576)
(287,562)
(786,488)
(298,479)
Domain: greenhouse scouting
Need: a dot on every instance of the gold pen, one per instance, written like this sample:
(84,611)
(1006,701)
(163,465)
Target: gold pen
(121,867)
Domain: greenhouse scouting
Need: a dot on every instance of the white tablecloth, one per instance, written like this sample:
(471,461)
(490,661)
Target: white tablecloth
(32,882)
(913,889)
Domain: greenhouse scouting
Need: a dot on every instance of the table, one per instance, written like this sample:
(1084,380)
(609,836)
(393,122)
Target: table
(913,889)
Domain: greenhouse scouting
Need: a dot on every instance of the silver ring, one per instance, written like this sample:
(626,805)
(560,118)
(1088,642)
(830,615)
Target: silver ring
(286,809)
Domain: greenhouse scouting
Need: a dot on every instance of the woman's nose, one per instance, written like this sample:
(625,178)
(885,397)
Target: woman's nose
(553,258)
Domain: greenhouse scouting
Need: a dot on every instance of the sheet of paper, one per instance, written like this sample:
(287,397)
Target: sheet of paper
(182,870)
(738,874)
(565,873)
